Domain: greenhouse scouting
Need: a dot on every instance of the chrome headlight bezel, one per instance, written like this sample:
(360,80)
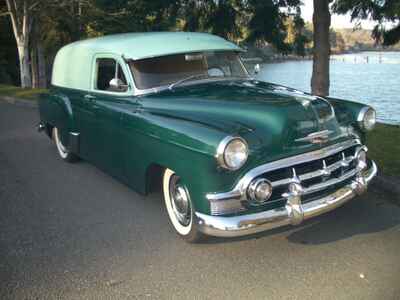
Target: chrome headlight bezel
(366,118)
(223,147)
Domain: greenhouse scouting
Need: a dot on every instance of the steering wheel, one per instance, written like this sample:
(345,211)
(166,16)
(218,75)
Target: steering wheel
(215,72)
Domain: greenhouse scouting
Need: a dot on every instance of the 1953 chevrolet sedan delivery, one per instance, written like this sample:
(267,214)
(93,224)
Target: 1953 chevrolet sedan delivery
(233,155)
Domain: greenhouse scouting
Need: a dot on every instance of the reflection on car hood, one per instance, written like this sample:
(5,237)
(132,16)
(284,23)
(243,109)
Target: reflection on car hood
(263,113)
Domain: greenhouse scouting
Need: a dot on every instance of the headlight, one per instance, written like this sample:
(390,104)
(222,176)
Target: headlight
(232,153)
(367,118)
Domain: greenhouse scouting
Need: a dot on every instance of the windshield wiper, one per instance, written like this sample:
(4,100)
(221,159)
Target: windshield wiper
(172,85)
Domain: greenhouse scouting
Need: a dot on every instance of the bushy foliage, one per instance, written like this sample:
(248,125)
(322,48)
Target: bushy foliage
(382,11)
(8,56)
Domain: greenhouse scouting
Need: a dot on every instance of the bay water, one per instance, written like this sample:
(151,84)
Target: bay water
(372,78)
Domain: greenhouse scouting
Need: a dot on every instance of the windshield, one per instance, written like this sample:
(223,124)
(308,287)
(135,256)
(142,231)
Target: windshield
(171,69)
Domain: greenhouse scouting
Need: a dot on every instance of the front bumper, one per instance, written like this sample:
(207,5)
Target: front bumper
(293,213)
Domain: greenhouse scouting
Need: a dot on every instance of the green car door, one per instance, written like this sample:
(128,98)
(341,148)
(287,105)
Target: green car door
(82,104)
(101,128)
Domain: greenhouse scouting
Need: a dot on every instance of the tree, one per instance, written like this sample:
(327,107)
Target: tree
(40,28)
(22,15)
(8,54)
(300,35)
(337,42)
(20,12)
(217,17)
(56,23)
(267,21)
(130,16)
(379,10)
(222,20)
(321,23)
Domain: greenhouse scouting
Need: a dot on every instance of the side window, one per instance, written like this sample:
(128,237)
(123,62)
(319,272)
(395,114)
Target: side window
(110,76)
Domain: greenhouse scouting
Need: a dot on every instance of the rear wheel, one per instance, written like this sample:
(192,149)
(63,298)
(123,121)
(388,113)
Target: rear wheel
(62,150)
(179,207)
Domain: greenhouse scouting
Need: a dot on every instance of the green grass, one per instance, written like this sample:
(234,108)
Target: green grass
(384,147)
(17,92)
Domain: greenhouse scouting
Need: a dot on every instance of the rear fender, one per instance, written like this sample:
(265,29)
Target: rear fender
(56,111)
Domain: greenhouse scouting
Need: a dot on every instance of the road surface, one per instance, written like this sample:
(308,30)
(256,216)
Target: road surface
(70,231)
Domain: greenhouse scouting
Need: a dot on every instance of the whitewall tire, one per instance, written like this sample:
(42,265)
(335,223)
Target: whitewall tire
(179,207)
(61,149)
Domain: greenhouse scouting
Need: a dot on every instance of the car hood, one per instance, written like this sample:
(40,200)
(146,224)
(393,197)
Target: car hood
(272,118)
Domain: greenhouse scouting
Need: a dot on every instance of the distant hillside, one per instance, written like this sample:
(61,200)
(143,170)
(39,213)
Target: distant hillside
(352,38)
(358,40)
(349,40)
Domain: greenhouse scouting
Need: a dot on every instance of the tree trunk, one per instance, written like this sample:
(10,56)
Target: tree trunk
(21,23)
(25,72)
(322,22)
(34,67)
(41,67)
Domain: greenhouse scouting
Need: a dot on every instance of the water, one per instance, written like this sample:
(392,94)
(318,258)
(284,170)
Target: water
(375,82)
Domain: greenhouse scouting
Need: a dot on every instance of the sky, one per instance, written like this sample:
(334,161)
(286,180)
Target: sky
(338,21)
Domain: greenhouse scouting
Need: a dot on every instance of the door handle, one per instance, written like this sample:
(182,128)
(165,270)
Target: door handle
(89,97)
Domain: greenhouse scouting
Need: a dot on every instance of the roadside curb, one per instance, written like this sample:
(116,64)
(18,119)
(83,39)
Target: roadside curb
(19,101)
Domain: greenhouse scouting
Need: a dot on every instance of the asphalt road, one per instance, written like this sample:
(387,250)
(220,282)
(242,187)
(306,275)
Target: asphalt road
(70,231)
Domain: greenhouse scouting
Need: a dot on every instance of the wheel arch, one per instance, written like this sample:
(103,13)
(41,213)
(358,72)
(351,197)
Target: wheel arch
(154,174)
(153,178)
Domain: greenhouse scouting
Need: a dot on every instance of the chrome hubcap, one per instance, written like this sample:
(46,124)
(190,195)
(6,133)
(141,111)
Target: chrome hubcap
(179,201)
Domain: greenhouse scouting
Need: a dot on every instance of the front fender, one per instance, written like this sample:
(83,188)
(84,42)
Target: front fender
(186,147)
(347,113)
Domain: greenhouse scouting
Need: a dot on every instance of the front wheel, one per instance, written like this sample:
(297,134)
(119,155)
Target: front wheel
(179,207)
(64,153)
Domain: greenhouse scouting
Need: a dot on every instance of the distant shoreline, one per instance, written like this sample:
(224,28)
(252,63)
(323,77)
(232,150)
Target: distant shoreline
(279,58)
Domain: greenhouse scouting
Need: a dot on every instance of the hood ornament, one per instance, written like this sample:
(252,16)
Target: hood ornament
(319,137)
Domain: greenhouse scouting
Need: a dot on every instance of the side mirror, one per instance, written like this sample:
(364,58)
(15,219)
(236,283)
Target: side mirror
(257,69)
(118,85)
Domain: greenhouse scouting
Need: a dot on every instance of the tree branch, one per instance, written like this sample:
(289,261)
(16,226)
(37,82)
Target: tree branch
(14,7)
(26,22)
(13,16)
(24,19)
(34,5)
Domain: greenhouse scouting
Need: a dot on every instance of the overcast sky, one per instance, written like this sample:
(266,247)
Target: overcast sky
(338,21)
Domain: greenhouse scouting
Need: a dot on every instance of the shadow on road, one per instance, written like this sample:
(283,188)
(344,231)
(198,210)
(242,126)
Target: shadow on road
(364,216)
(368,214)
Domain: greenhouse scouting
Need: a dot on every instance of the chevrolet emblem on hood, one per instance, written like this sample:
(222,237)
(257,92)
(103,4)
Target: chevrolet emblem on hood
(319,137)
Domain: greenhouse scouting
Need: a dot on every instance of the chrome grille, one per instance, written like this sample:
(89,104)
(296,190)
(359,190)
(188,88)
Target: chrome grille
(318,173)
(314,176)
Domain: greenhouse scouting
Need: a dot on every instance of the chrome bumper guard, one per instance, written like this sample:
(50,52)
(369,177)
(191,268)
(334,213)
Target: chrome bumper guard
(293,213)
